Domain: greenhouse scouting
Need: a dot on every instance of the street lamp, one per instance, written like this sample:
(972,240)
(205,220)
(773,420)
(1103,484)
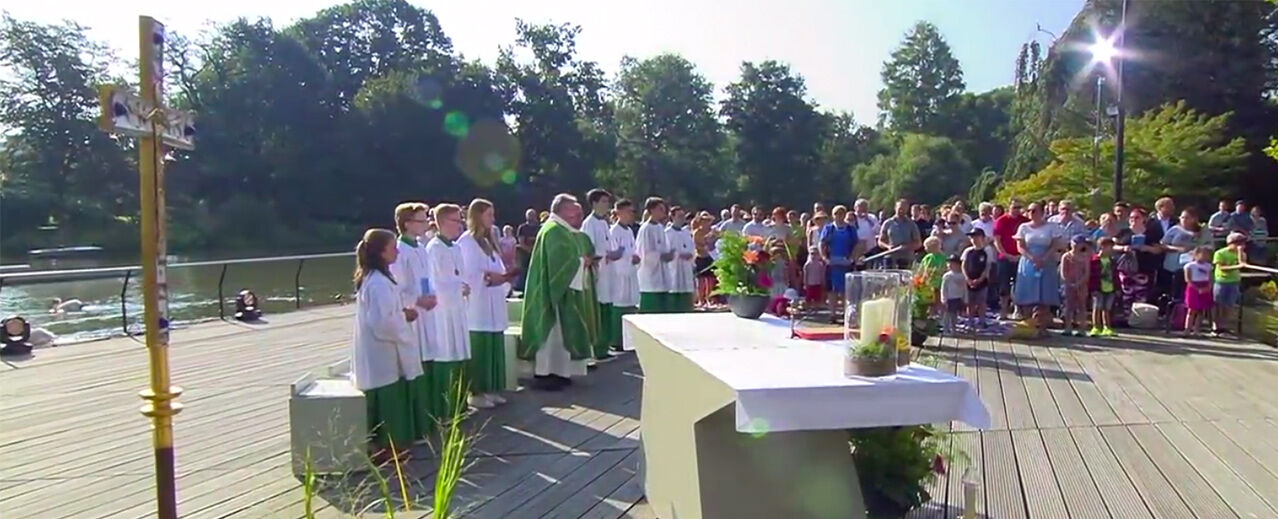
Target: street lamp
(1109,51)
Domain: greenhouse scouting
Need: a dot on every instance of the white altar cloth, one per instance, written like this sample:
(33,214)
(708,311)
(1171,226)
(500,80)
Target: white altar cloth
(784,384)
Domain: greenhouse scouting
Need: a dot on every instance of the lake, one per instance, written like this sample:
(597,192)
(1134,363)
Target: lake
(192,295)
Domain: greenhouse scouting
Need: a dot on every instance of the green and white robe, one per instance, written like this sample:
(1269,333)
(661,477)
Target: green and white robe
(559,315)
(681,273)
(448,334)
(486,316)
(409,269)
(654,284)
(383,360)
(625,280)
(595,227)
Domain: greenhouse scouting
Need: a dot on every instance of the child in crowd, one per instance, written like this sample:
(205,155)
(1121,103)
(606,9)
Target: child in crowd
(977,263)
(933,266)
(814,280)
(1075,276)
(507,244)
(384,356)
(1104,285)
(954,293)
(1198,289)
(1227,292)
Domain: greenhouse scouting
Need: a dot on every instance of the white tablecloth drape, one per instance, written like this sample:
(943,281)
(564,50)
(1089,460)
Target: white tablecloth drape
(784,384)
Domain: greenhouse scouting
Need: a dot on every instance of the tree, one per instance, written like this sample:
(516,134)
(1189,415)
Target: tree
(1171,150)
(921,83)
(556,103)
(776,132)
(923,168)
(844,144)
(59,167)
(981,123)
(668,141)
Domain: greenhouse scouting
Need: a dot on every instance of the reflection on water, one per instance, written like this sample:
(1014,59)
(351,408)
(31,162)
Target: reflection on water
(192,295)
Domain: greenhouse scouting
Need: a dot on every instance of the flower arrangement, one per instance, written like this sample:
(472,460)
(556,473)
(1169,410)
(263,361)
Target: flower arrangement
(744,267)
(881,346)
(922,323)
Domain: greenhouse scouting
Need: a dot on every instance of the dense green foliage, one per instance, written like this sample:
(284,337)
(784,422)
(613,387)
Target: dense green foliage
(311,131)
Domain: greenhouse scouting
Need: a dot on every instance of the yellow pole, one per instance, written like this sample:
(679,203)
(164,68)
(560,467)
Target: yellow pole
(159,406)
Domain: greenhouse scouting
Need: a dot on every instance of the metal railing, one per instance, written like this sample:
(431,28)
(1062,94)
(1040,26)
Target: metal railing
(36,277)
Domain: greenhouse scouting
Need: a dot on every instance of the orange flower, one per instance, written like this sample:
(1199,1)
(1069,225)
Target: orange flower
(751,256)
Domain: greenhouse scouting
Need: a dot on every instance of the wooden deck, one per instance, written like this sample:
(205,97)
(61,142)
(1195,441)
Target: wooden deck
(1141,426)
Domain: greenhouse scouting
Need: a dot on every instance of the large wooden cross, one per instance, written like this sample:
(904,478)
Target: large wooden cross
(144,116)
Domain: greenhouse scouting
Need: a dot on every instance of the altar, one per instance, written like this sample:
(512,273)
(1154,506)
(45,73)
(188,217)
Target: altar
(738,420)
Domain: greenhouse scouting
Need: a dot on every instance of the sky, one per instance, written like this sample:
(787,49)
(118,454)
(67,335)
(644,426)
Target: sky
(839,46)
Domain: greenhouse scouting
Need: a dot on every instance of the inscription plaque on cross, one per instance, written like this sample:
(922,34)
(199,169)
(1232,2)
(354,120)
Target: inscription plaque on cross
(143,116)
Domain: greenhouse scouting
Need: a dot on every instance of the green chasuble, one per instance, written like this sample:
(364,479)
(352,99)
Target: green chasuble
(556,256)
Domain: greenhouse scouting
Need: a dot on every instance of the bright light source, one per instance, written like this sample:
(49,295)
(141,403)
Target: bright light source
(1103,50)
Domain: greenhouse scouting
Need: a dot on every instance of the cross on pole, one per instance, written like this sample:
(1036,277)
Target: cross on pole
(144,116)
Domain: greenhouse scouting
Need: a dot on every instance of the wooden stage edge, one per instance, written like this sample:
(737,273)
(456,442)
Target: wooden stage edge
(1128,427)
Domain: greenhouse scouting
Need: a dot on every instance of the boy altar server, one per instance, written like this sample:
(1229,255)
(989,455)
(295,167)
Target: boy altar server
(654,253)
(411,272)
(448,334)
(624,270)
(681,271)
(383,356)
(596,228)
(486,307)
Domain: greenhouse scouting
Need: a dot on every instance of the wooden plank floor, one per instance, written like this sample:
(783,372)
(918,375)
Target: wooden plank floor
(1136,426)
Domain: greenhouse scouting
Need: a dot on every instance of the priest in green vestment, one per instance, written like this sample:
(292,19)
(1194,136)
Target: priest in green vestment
(560,315)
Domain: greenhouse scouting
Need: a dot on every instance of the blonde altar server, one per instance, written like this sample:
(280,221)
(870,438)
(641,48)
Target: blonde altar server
(486,315)
(624,270)
(411,271)
(558,327)
(383,357)
(596,228)
(654,253)
(448,335)
(681,271)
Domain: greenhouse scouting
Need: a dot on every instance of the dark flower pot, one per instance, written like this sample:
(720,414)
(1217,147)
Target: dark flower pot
(917,338)
(748,307)
(870,366)
(902,358)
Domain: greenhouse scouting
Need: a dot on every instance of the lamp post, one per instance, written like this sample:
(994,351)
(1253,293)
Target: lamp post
(1109,51)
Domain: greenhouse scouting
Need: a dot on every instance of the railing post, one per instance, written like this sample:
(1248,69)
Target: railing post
(221,300)
(297,284)
(124,309)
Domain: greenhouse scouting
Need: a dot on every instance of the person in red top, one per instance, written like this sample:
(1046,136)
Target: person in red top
(1005,269)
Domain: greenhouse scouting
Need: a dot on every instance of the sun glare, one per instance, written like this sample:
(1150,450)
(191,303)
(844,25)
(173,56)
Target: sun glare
(1103,50)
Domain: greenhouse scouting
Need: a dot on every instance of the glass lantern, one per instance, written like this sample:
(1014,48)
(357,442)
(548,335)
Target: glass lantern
(878,302)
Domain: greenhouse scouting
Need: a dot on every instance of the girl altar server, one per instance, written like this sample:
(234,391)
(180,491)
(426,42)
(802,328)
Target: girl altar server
(447,332)
(681,271)
(411,270)
(384,357)
(624,269)
(486,314)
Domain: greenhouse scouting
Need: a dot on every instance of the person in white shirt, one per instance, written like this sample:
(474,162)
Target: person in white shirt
(448,332)
(734,222)
(758,225)
(681,271)
(867,224)
(486,315)
(595,226)
(411,271)
(383,350)
(623,267)
(654,253)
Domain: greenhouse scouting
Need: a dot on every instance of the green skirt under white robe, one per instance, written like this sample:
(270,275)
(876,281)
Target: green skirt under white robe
(391,416)
(420,390)
(614,323)
(444,376)
(487,365)
(679,302)
(654,302)
(606,331)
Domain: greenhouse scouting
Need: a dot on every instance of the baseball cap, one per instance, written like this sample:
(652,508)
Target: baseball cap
(1236,237)
(976,231)
(1078,239)
(954,258)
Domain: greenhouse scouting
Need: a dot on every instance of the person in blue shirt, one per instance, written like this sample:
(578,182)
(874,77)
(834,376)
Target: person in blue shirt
(838,244)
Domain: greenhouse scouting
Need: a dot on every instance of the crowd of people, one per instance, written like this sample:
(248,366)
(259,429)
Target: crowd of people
(432,294)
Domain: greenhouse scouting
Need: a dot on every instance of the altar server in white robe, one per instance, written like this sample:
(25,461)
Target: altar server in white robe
(384,356)
(624,270)
(448,333)
(681,271)
(486,315)
(411,271)
(654,253)
(596,228)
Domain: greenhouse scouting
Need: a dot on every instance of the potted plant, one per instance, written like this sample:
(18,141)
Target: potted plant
(895,466)
(744,271)
(872,356)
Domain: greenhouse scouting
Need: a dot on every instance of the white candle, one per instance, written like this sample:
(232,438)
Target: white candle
(877,314)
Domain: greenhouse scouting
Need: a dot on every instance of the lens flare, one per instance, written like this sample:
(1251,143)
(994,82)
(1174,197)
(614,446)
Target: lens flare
(487,151)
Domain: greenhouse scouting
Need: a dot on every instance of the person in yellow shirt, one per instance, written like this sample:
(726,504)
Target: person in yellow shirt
(1227,292)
